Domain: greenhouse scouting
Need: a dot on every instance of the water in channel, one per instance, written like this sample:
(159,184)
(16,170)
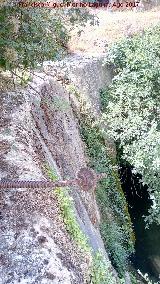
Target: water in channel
(147,246)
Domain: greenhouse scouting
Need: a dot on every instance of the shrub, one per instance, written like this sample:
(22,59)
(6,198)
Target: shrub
(118,239)
(118,235)
(31,35)
(131,108)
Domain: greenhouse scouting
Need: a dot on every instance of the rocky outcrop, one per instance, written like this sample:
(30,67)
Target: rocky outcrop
(87,73)
(85,76)
(34,244)
(38,127)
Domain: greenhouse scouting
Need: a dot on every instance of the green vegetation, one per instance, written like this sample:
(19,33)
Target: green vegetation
(131,110)
(116,226)
(100,271)
(66,206)
(31,35)
(134,279)
(68,214)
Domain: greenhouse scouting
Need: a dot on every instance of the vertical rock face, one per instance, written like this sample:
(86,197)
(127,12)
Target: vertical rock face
(38,127)
(34,244)
(57,141)
(55,124)
(88,74)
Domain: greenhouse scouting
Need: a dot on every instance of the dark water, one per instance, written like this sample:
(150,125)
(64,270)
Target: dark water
(147,240)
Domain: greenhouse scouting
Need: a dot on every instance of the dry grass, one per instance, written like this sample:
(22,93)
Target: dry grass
(112,27)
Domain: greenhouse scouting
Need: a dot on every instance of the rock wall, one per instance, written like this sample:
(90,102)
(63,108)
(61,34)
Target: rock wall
(38,127)
(87,73)
(34,244)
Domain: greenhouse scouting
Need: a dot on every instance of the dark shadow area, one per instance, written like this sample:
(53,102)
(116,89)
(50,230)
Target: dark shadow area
(147,246)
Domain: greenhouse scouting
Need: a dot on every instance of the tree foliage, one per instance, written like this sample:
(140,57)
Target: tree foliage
(31,35)
(131,108)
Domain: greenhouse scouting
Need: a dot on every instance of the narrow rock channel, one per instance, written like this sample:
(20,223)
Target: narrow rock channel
(147,249)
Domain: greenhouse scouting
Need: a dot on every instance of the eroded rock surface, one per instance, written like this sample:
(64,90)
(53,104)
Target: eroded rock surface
(34,244)
(38,127)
